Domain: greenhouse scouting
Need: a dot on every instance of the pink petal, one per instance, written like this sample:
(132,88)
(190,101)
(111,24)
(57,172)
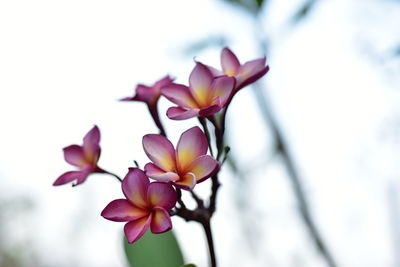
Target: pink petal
(135,186)
(121,210)
(161,195)
(229,62)
(177,113)
(179,94)
(211,110)
(187,182)
(159,150)
(67,177)
(163,82)
(192,144)
(146,93)
(203,167)
(129,98)
(215,72)
(152,171)
(252,78)
(251,67)
(84,173)
(74,155)
(137,228)
(91,146)
(200,81)
(92,137)
(223,87)
(161,221)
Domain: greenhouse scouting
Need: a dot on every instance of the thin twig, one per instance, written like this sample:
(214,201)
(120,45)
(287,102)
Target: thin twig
(153,109)
(288,161)
(297,186)
(100,170)
(199,201)
(207,230)
(203,123)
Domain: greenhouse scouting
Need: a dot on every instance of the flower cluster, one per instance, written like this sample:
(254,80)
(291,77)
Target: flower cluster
(150,204)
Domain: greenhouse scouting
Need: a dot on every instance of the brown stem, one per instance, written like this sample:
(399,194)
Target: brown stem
(214,192)
(203,123)
(199,201)
(100,170)
(202,216)
(294,178)
(210,242)
(219,131)
(154,114)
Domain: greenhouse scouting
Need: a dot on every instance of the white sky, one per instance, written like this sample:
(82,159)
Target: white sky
(63,65)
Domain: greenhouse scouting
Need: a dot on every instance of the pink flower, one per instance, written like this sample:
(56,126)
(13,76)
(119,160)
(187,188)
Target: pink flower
(245,74)
(84,157)
(184,167)
(204,97)
(146,205)
(149,94)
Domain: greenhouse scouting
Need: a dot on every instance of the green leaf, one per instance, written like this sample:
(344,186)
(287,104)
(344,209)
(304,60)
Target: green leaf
(189,265)
(161,250)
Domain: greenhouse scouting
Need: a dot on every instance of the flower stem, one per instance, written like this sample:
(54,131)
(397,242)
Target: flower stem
(99,170)
(210,242)
(203,123)
(154,114)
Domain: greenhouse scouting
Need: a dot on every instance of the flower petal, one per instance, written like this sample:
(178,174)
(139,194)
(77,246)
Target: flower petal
(152,171)
(252,78)
(137,228)
(74,155)
(187,182)
(91,146)
(192,144)
(177,113)
(162,195)
(223,87)
(166,80)
(146,93)
(159,150)
(179,94)
(135,186)
(67,177)
(128,98)
(121,210)
(211,110)
(161,221)
(84,173)
(203,167)
(229,62)
(215,72)
(200,81)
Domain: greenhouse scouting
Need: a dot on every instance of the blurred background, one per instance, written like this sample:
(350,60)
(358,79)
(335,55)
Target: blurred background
(315,145)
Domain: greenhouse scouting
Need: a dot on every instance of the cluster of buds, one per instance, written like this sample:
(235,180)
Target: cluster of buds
(151,204)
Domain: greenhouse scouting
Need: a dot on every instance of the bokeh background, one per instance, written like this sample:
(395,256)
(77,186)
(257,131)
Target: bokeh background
(324,122)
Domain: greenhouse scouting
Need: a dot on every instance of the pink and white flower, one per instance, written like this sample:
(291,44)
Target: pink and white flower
(149,94)
(185,166)
(84,157)
(146,205)
(245,74)
(204,97)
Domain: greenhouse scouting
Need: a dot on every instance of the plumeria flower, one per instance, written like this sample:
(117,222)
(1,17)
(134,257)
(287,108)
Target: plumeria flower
(84,157)
(150,95)
(146,205)
(186,166)
(204,97)
(245,74)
